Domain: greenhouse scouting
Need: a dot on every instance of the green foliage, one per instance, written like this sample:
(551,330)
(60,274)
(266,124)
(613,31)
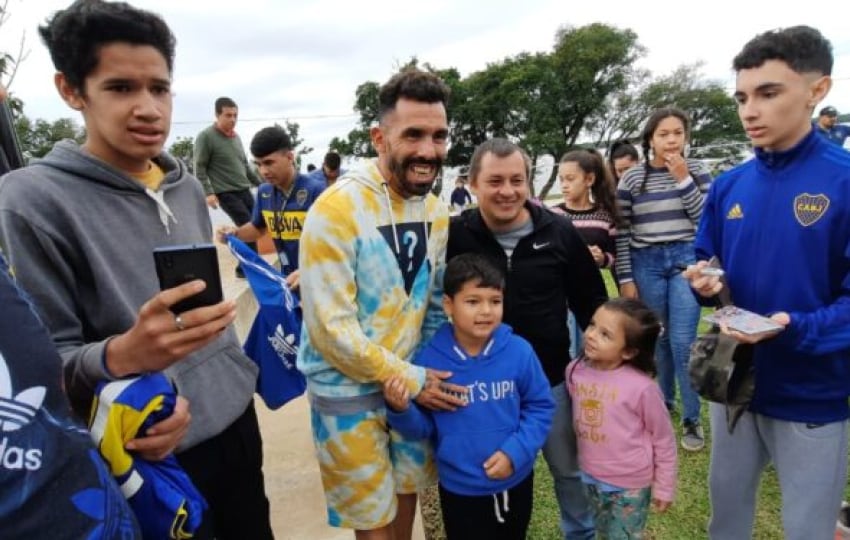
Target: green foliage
(586,85)
(38,137)
(184,150)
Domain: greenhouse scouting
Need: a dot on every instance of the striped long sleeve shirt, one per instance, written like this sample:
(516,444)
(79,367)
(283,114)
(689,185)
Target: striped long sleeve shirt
(662,211)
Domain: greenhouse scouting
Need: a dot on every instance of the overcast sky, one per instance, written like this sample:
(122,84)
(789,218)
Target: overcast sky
(303,60)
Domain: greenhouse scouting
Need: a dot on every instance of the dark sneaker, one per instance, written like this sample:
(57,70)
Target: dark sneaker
(693,439)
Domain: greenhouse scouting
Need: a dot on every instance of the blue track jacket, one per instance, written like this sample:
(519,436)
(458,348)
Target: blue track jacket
(780,225)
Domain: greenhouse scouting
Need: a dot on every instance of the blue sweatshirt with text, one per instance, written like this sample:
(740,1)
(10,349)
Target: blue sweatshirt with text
(780,225)
(509,408)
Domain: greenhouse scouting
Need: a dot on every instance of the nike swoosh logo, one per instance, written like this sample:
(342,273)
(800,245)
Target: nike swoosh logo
(266,195)
(539,246)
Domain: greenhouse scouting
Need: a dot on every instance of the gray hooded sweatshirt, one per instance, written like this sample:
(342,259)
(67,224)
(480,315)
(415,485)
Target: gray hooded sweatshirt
(79,235)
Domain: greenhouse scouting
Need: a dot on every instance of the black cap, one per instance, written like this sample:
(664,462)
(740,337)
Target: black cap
(828,111)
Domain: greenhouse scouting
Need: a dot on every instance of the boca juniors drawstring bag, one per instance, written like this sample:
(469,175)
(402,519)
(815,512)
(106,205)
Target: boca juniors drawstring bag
(273,340)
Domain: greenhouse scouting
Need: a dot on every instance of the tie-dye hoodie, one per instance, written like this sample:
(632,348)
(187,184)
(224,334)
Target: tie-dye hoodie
(372,267)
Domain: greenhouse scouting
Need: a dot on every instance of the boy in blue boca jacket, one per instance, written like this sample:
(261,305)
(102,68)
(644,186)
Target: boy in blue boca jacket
(486,449)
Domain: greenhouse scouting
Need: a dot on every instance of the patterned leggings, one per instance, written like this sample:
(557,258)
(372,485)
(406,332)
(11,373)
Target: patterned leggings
(619,515)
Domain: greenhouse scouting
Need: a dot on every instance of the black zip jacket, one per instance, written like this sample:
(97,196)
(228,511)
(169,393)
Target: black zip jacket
(551,270)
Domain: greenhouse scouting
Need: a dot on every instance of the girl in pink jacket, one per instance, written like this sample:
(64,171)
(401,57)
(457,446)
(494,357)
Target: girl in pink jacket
(626,446)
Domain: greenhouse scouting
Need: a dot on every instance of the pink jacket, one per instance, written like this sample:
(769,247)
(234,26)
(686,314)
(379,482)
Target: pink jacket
(624,433)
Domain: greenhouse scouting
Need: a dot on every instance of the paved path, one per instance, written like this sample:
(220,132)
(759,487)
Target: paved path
(292,477)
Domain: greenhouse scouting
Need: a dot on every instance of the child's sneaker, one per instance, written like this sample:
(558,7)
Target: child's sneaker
(693,439)
(842,526)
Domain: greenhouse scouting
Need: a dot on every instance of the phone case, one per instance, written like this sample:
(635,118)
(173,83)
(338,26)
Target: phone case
(176,265)
(742,320)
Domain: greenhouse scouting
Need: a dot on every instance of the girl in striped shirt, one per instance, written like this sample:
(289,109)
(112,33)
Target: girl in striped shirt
(661,204)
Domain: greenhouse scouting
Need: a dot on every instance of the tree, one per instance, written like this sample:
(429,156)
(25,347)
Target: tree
(358,143)
(38,137)
(184,150)
(9,63)
(298,146)
(589,64)
(715,128)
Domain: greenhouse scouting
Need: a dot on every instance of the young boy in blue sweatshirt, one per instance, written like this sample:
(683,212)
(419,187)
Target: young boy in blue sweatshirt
(486,449)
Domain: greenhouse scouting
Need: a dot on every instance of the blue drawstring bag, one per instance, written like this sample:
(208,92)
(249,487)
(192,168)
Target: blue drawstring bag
(274,337)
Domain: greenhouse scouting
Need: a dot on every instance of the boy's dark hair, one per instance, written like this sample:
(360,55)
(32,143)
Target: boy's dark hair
(75,35)
(223,102)
(803,48)
(412,84)
(471,267)
(649,130)
(603,188)
(269,140)
(621,149)
(332,161)
(642,329)
(499,147)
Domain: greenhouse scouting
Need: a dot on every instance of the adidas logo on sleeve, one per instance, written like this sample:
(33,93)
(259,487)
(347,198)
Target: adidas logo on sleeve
(17,411)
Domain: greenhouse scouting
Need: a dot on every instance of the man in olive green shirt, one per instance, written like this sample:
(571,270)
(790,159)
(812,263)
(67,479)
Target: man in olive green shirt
(222,168)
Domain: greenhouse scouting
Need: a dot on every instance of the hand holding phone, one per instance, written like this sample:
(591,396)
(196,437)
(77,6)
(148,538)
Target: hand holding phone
(176,265)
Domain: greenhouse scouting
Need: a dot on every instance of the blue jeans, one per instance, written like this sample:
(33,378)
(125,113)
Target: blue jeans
(661,286)
(561,454)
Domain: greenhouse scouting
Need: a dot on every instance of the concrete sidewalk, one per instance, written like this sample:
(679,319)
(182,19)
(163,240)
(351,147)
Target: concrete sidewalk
(293,483)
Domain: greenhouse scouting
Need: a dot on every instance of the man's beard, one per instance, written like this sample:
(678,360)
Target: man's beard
(399,170)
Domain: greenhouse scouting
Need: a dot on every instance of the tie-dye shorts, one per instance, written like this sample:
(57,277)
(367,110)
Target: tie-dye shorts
(364,464)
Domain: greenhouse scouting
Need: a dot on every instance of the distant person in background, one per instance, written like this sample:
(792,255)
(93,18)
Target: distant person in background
(282,202)
(661,204)
(591,205)
(310,168)
(330,169)
(828,126)
(621,157)
(460,195)
(222,168)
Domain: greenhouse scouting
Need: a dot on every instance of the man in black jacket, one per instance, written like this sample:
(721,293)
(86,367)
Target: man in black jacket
(548,270)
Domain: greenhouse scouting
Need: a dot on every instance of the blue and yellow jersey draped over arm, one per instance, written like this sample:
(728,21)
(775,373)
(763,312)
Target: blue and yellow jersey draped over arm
(160,493)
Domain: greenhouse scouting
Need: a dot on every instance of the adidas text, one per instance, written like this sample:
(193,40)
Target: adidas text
(13,458)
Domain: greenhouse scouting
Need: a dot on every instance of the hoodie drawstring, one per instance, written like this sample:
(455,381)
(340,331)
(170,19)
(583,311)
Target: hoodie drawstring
(385,187)
(392,218)
(499,517)
(164,211)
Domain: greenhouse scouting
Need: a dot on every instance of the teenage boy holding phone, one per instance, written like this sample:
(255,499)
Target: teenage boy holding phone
(80,227)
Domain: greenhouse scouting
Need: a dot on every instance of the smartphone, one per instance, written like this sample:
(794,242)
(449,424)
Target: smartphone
(176,265)
(709,271)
